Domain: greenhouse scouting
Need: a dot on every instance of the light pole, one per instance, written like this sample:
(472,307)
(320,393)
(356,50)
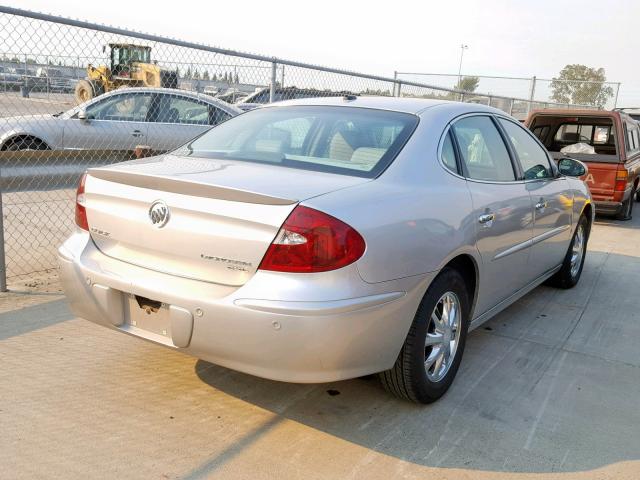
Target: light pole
(463,47)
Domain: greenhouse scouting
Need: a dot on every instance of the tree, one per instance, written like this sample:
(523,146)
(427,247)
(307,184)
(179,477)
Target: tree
(467,84)
(581,85)
(205,75)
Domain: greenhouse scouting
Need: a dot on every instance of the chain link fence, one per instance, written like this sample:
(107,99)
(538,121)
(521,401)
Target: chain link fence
(75,95)
(540,92)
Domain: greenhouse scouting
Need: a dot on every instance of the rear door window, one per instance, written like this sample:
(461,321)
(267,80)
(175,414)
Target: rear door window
(484,154)
(533,159)
(448,154)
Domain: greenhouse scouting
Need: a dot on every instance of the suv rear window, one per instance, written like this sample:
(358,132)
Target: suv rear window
(346,140)
(559,132)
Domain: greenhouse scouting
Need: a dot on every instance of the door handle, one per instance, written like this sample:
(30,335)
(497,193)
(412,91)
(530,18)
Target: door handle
(136,133)
(486,220)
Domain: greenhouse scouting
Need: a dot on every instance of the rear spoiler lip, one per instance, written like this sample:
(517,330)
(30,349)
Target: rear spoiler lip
(186,187)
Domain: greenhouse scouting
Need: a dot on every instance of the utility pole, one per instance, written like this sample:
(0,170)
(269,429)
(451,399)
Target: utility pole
(463,47)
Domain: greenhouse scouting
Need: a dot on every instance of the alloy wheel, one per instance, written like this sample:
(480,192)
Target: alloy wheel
(443,336)
(577,251)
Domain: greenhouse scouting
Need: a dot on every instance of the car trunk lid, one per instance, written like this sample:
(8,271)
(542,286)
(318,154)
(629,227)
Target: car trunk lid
(222,215)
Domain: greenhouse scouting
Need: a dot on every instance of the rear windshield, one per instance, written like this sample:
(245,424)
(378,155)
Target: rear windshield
(346,140)
(558,133)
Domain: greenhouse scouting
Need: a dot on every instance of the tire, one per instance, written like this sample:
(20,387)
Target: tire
(626,209)
(638,195)
(84,91)
(569,274)
(412,378)
(25,143)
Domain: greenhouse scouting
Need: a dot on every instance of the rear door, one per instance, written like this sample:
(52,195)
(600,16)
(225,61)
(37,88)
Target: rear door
(552,202)
(176,119)
(116,122)
(501,209)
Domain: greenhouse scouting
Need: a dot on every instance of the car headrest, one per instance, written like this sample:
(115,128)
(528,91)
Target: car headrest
(367,155)
(272,146)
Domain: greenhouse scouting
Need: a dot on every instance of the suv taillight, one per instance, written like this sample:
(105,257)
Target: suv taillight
(81,211)
(622,177)
(311,241)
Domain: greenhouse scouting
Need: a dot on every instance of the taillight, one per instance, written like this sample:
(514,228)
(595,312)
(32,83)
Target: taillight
(312,241)
(622,177)
(81,211)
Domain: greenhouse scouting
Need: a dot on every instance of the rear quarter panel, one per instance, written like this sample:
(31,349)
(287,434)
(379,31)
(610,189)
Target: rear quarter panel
(414,218)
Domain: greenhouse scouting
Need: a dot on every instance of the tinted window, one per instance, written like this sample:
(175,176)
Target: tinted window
(484,153)
(633,135)
(534,160)
(131,107)
(541,132)
(348,140)
(176,109)
(448,154)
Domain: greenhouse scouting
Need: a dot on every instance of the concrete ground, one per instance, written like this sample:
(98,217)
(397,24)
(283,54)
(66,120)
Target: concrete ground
(548,389)
(13,104)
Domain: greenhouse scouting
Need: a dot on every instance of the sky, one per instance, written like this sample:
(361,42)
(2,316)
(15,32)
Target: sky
(505,37)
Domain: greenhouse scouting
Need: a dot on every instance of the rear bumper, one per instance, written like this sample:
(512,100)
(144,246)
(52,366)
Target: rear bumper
(296,328)
(607,207)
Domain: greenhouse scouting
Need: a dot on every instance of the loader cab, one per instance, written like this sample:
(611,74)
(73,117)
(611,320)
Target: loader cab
(124,55)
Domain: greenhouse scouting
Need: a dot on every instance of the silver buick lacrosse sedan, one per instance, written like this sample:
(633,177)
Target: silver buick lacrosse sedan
(324,239)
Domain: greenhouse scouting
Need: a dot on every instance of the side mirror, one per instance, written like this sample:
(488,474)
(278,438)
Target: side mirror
(82,116)
(571,167)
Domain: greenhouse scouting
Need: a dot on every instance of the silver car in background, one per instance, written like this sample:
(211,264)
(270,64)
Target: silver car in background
(159,118)
(324,239)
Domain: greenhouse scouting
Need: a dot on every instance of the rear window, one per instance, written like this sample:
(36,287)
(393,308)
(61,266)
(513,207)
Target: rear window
(558,133)
(345,140)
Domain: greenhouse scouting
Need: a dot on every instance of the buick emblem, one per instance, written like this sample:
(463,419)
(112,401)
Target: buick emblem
(159,213)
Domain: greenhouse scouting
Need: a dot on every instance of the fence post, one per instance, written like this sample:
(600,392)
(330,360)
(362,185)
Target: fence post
(282,77)
(3,265)
(532,93)
(511,106)
(395,82)
(274,73)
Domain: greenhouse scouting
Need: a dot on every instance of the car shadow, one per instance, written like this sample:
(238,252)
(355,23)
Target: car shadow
(549,385)
(35,317)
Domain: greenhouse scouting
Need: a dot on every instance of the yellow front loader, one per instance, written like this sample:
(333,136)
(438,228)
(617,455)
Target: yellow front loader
(130,67)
